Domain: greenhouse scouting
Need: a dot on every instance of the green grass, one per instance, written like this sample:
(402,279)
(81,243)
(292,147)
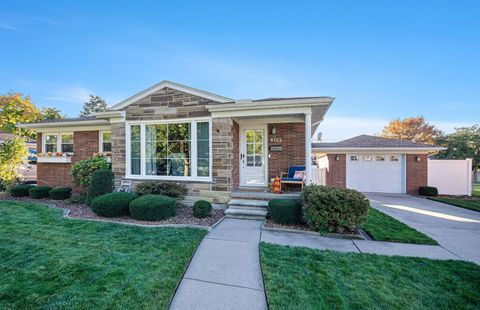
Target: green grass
(476,189)
(382,227)
(459,202)
(301,278)
(49,262)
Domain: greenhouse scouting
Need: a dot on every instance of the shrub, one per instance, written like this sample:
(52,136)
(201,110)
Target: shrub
(100,184)
(428,191)
(332,209)
(13,153)
(20,190)
(152,208)
(113,204)
(80,199)
(38,192)
(285,211)
(60,193)
(202,208)
(83,170)
(169,189)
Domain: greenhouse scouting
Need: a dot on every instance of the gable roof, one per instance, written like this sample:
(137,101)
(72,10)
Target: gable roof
(374,143)
(172,85)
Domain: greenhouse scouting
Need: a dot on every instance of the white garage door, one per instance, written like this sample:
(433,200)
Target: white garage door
(378,173)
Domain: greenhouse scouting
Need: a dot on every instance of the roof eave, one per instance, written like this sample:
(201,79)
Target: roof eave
(377,149)
(63,124)
(250,105)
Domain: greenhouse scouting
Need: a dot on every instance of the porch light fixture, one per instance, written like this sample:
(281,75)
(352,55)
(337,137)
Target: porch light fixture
(274,130)
(337,157)
(417,158)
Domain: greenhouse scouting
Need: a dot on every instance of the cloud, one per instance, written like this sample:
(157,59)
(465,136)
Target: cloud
(6,26)
(336,128)
(71,94)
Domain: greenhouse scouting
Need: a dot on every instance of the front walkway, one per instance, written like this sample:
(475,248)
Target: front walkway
(225,270)
(455,229)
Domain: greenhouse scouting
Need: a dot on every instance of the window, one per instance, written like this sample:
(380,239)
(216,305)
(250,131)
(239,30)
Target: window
(354,158)
(394,158)
(367,157)
(50,143)
(380,158)
(105,141)
(67,143)
(169,150)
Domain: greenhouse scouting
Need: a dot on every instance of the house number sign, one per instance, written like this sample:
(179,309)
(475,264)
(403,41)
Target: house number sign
(275,140)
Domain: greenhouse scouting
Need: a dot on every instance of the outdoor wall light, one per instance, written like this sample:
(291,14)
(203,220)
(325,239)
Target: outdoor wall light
(418,158)
(274,130)
(337,157)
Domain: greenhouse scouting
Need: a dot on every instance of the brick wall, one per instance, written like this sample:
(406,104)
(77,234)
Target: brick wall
(85,143)
(417,172)
(293,147)
(337,170)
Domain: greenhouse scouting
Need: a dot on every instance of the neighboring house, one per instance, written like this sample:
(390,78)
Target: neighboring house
(213,144)
(28,172)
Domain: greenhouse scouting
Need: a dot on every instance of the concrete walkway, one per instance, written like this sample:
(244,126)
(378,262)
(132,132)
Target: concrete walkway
(455,229)
(225,271)
(356,246)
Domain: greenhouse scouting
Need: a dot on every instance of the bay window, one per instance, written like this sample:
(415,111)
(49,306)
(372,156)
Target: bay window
(169,150)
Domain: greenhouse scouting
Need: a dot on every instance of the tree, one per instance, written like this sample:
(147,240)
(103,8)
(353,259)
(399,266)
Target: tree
(17,109)
(463,143)
(95,104)
(50,113)
(12,155)
(412,129)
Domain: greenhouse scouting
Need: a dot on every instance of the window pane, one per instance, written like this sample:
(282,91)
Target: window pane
(156,166)
(203,131)
(107,147)
(250,136)
(68,138)
(51,139)
(135,149)
(50,148)
(178,167)
(250,160)
(258,161)
(203,167)
(250,148)
(178,149)
(67,148)
(179,131)
(258,136)
(259,148)
(203,149)
(107,136)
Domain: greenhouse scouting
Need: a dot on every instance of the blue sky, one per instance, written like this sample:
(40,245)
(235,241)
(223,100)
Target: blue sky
(380,59)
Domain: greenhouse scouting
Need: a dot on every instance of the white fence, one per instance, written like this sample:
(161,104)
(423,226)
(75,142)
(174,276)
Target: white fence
(451,177)
(319,176)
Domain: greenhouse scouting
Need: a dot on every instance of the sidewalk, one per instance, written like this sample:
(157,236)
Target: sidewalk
(357,246)
(225,271)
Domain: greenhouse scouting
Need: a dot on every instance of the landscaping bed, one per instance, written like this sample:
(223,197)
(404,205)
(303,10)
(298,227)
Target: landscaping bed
(184,214)
(301,278)
(49,262)
(470,203)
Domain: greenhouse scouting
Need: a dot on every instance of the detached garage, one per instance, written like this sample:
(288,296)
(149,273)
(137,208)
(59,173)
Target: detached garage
(374,164)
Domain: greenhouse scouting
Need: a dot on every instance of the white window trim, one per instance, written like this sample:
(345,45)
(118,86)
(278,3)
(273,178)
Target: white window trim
(100,139)
(193,139)
(59,140)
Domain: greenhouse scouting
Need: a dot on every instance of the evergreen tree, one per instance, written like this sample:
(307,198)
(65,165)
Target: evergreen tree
(95,104)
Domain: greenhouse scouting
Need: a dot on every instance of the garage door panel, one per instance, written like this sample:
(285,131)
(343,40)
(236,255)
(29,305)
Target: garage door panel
(375,175)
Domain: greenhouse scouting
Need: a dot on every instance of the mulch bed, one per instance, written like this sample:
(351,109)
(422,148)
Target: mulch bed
(184,214)
(271,224)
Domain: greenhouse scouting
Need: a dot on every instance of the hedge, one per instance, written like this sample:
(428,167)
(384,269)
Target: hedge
(202,208)
(100,184)
(428,191)
(330,209)
(285,211)
(169,189)
(38,192)
(112,204)
(20,190)
(152,208)
(60,193)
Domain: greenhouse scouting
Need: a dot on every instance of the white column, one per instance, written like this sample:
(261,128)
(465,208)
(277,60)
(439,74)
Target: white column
(308,147)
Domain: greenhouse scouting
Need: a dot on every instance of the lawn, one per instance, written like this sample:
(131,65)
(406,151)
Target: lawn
(459,202)
(476,189)
(382,227)
(51,262)
(301,278)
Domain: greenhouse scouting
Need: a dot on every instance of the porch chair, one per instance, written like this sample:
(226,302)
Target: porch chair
(125,186)
(290,177)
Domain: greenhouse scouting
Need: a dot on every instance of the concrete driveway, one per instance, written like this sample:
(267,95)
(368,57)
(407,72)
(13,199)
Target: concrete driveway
(455,229)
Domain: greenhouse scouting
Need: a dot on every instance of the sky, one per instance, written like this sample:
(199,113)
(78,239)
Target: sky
(380,59)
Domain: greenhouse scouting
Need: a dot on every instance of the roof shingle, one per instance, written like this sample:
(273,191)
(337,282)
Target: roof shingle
(371,142)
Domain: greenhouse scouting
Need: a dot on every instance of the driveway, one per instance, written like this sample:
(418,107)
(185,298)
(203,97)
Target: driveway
(455,229)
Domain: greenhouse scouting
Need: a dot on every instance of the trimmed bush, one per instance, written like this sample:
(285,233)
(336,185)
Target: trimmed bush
(152,208)
(113,204)
(100,184)
(60,193)
(38,192)
(83,170)
(20,190)
(330,209)
(169,189)
(285,211)
(428,191)
(202,208)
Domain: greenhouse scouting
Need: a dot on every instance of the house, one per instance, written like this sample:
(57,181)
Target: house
(216,145)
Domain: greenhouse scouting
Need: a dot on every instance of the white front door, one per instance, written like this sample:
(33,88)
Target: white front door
(253,151)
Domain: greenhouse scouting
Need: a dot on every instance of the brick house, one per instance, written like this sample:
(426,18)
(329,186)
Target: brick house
(213,144)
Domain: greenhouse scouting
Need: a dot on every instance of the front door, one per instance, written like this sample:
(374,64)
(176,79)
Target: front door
(253,152)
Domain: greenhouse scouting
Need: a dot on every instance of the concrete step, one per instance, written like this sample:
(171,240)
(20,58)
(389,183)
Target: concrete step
(248,203)
(246,214)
